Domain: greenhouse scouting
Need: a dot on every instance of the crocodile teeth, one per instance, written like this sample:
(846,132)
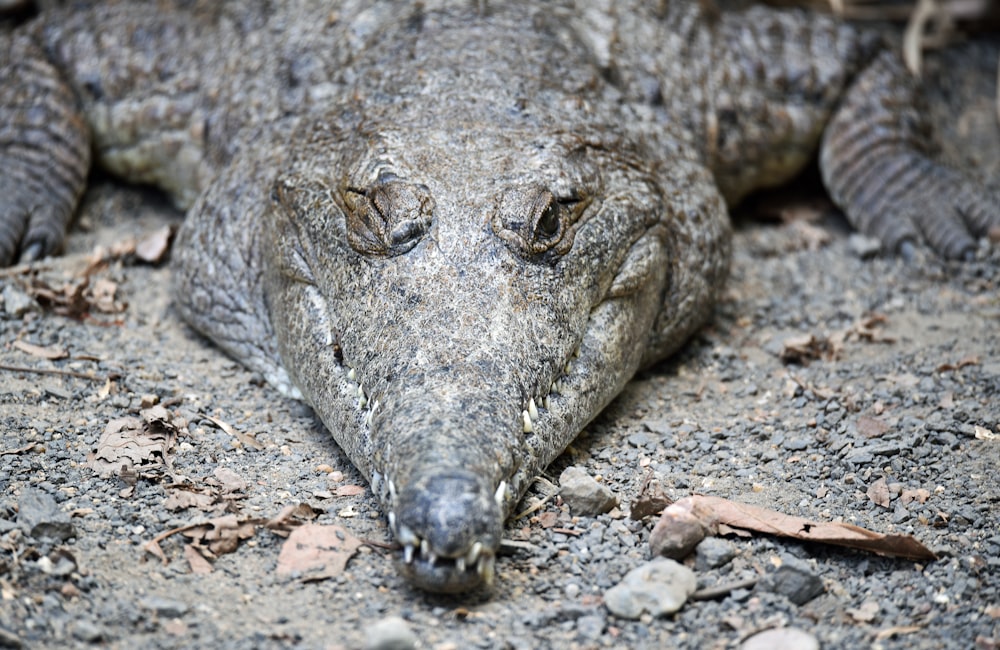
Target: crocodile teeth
(485,567)
(532,409)
(500,494)
(473,553)
(545,402)
(407,537)
(526,422)
(351,374)
(362,398)
(425,548)
(460,564)
(392,522)
(408,553)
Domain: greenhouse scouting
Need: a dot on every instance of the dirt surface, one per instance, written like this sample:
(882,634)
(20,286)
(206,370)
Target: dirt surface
(895,426)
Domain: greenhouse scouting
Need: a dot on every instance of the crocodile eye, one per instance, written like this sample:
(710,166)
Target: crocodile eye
(538,225)
(548,223)
(387,218)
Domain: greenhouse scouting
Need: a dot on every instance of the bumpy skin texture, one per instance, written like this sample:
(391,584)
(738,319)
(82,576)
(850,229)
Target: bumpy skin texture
(457,229)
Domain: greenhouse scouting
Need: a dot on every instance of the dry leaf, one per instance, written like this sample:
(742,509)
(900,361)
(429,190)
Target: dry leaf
(181,499)
(199,565)
(713,512)
(130,443)
(919,495)
(50,352)
(961,363)
(317,552)
(247,439)
(220,535)
(878,492)
(230,480)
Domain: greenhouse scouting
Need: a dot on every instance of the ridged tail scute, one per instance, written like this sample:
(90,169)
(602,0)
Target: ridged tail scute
(44,152)
(877,160)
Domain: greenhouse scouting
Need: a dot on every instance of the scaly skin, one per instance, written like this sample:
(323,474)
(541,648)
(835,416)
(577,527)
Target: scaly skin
(457,229)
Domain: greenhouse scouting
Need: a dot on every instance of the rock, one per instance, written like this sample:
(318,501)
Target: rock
(677,532)
(40,516)
(782,638)
(658,587)
(86,631)
(585,496)
(590,627)
(164,607)
(16,303)
(9,639)
(391,633)
(794,579)
(712,553)
(863,247)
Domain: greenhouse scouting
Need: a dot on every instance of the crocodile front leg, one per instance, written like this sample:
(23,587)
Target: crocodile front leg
(877,161)
(44,152)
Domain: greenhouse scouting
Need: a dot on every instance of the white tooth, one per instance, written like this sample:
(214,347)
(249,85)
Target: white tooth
(362,398)
(392,490)
(432,559)
(460,564)
(406,536)
(368,418)
(474,552)
(545,403)
(375,405)
(556,387)
(500,495)
(568,368)
(486,568)
(392,522)
(576,353)
(532,409)
(408,553)
(526,422)
(425,548)
(351,374)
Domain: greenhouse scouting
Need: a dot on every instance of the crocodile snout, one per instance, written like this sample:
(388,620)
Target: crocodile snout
(449,523)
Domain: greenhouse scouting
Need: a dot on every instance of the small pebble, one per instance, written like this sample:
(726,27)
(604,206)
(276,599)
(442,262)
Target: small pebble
(712,553)
(391,633)
(794,579)
(657,588)
(585,496)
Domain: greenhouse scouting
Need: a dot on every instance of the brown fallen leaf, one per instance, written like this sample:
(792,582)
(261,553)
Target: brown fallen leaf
(920,495)
(958,365)
(229,480)
(130,443)
(199,565)
(181,499)
(290,517)
(220,535)
(713,512)
(52,352)
(317,552)
(866,613)
(247,439)
(878,492)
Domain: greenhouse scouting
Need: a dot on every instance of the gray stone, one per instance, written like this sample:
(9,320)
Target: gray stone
(863,246)
(86,631)
(16,302)
(40,516)
(712,553)
(391,633)
(794,579)
(590,627)
(658,587)
(165,607)
(585,496)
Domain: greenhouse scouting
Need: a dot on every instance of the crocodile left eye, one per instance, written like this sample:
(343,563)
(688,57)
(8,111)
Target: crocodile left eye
(540,228)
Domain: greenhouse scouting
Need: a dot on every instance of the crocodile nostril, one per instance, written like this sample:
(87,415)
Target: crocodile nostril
(387,218)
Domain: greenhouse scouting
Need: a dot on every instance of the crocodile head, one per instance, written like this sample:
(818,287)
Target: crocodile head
(457,308)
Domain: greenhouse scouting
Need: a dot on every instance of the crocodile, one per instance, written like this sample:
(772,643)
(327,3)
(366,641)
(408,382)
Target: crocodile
(457,229)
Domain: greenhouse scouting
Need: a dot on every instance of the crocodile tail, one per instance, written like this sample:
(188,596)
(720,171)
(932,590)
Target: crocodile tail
(44,152)
(878,162)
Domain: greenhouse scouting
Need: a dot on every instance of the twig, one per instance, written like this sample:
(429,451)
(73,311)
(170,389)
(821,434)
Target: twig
(720,591)
(52,371)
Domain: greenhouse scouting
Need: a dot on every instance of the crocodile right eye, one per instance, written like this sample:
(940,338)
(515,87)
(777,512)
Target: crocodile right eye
(387,218)
(540,228)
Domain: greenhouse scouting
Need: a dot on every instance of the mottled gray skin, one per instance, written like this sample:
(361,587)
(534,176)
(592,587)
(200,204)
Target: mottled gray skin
(457,229)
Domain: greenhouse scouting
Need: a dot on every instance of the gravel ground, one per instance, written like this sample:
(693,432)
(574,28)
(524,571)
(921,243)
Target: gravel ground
(912,398)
